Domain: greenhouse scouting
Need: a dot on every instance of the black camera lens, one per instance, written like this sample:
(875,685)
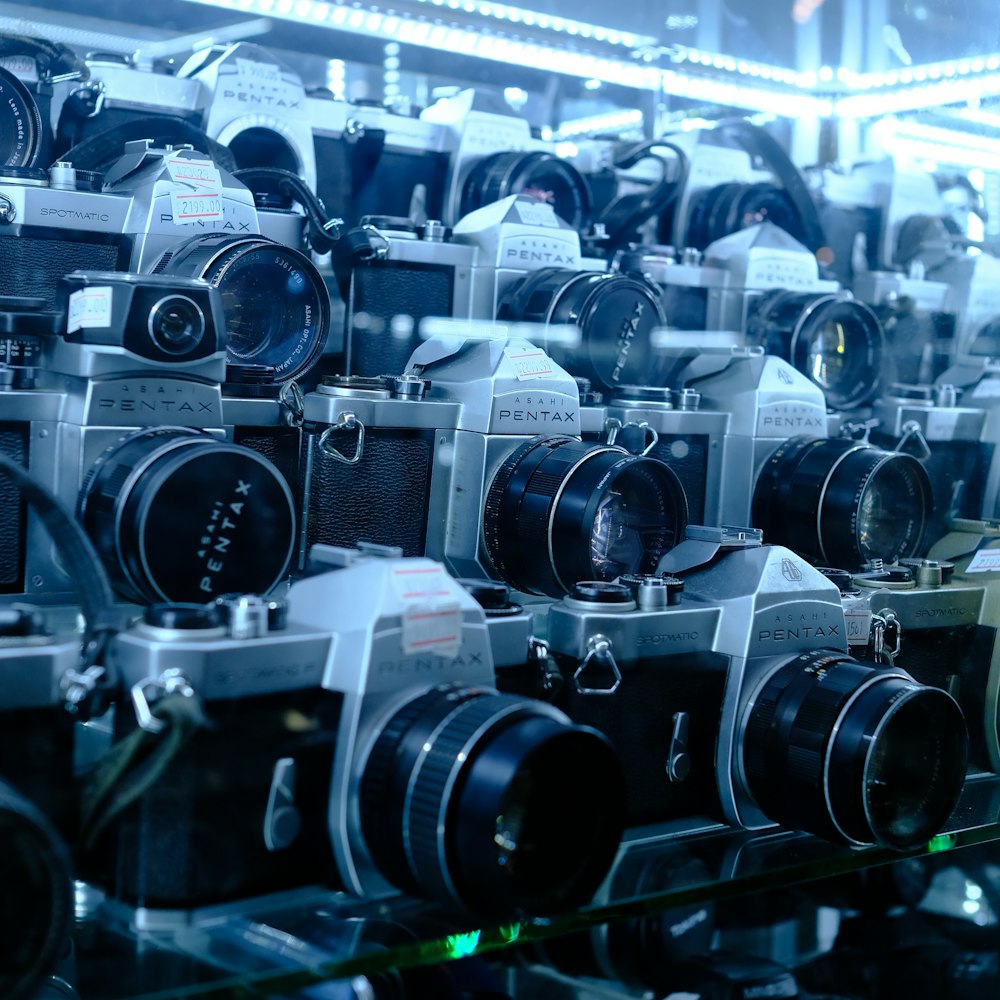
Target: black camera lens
(36,905)
(178,515)
(833,340)
(561,510)
(275,302)
(854,752)
(20,123)
(727,208)
(491,801)
(176,324)
(538,175)
(616,314)
(833,500)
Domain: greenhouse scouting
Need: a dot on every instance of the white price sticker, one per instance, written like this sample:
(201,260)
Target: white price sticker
(250,72)
(536,213)
(197,190)
(985,561)
(529,363)
(859,626)
(432,620)
(89,308)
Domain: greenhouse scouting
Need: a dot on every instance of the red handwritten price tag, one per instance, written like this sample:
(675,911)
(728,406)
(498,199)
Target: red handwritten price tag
(985,561)
(432,618)
(197,190)
(89,308)
(529,363)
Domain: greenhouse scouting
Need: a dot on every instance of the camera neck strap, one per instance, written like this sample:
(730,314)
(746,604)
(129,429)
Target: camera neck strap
(55,61)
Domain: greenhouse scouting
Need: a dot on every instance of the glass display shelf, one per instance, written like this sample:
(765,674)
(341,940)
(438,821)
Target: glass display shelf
(279,946)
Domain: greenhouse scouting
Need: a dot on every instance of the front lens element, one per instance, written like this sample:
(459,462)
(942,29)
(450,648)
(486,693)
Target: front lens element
(491,801)
(854,752)
(176,325)
(276,305)
(561,510)
(842,503)
(833,340)
(178,515)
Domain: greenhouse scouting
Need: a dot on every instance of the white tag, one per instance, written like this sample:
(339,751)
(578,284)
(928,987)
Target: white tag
(536,213)
(89,307)
(859,626)
(985,561)
(529,363)
(248,71)
(23,67)
(197,190)
(989,387)
(430,624)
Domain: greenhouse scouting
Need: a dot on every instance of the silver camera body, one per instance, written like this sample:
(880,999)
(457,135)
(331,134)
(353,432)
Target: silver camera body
(730,410)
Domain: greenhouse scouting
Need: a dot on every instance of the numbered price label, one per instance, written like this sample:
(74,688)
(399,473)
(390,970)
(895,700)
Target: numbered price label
(529,363)
(196,195)
(432,618)
(985,561)
(89,308)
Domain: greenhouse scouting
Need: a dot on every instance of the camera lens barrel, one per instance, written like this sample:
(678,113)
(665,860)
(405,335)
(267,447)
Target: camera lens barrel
(36,908)
(854,752)
(616,313)
(537,174)
(832,339)
(560,510)
(178,515)
(275,302)
(842,502)
(492,801)
(21,126)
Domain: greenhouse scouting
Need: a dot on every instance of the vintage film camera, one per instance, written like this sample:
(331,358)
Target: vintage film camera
(743,649)
(763,287)
(363,744)
(473,458)
(514,259)
(748,437)
(118,410)
(254,105)
(173,212)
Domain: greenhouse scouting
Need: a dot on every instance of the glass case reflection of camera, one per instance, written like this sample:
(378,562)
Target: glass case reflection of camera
(474,458)
(362,743)
(763,287)
(729,694)
(114,402)
(747,435)
(515,260)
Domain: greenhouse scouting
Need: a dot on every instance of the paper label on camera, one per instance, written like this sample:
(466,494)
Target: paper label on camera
(23,67)
(196,195)
(985,561)
(431,618)
(529,363)
(859,626)
(988,388)
(536,213)
(89,308)
(250,71)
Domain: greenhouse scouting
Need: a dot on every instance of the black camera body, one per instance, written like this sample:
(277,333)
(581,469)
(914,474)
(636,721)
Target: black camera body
(474,459)
(303,766)
(730,697)
(120,414)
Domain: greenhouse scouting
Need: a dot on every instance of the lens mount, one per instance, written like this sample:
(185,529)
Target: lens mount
(537,174)
(276,305)
(36,907)
(560,510)
(854,752)
(491,801)
(178,515)
(176,324)
(840,502)
(835,341)
(616,314)
(21,126)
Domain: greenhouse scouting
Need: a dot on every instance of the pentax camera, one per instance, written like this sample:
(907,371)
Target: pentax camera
(748,437)
(170,212)
(473,457)
(362,742)
(725,685)
(515,260)
(117,408)
(763,287)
